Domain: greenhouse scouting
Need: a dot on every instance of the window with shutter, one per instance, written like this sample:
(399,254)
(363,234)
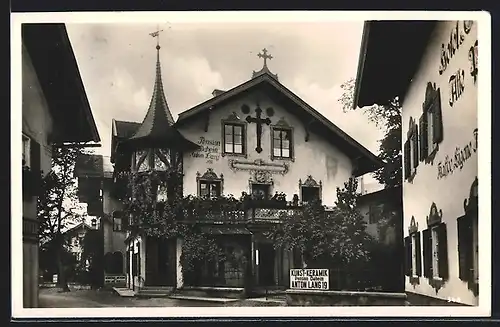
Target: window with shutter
(411,151)
(414,253)
(431,124)
(427,253)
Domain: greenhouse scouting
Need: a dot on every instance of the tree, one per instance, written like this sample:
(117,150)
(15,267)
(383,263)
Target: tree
(335,238)
(58,206)
(388,118)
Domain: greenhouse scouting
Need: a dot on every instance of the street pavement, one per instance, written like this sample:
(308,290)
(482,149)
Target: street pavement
(52,298)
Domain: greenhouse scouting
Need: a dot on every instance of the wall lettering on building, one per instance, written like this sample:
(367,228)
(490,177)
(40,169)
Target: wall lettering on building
(456,161)
(456,84)
(209,150)
(309,279)
(457,37)
(468,26)
(473,61)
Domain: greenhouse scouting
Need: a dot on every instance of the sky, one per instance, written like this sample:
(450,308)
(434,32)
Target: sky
(312,59)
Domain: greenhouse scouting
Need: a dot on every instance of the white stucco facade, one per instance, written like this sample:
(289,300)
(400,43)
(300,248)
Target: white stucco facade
(316,157)
(435,182)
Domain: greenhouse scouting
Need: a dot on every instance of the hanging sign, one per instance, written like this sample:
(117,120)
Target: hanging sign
(309,279)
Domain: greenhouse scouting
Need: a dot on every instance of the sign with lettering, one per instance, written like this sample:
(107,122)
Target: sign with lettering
(309,279)
(456,161)
(209,150)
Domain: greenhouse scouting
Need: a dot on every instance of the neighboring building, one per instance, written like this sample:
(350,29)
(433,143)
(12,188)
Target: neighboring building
(258,138)
(95,177)
(75,239)
(435,78)
(378,207)
(55,111)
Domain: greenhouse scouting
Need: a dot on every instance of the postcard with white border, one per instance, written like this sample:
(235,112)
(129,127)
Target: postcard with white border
(251,164)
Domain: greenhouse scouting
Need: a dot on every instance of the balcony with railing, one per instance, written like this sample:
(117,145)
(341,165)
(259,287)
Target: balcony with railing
(229,210)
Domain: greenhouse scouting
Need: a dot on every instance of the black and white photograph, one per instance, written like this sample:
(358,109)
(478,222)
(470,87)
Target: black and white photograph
(251,164)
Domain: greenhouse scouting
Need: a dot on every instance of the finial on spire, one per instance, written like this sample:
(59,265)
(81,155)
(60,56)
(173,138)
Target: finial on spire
(156,34)
(264,56)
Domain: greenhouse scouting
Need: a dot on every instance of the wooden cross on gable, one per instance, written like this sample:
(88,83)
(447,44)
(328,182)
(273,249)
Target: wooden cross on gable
(259,121)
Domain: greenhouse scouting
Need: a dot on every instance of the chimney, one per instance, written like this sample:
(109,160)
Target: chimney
(217,92)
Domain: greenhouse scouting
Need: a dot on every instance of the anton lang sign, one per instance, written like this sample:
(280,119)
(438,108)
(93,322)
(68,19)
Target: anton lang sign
(309,279)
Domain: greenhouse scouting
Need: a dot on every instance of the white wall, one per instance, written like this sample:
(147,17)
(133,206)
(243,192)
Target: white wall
(459,122)
(311,158)
(37,124)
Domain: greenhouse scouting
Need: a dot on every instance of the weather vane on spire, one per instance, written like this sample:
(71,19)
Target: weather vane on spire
(156,34)
(265,56)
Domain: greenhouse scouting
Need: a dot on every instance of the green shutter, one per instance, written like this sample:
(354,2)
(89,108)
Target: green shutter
(437,119)
(407,262)
(465,255)
(442,251)
(427,252)
(406,155)
(418,251)
(423,136)
(415,146)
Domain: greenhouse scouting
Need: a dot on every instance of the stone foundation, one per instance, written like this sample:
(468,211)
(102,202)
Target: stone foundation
(343,298)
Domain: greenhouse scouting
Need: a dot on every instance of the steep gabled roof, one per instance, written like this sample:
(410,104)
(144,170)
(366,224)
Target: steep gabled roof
(368,162)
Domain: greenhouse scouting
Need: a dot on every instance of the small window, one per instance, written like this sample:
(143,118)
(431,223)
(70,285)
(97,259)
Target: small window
(117,224)
(233,138)
(411,151)
(310,194)
(26,151)
(375,213)
(282,143)
(210,189)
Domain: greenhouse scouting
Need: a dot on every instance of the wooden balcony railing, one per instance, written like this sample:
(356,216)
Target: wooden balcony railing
(247,211)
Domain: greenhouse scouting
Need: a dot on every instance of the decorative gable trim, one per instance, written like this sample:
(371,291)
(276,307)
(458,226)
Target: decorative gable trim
(371,163)
(413,228)
(435,216)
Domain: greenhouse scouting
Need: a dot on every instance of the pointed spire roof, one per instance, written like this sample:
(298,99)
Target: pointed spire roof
(264,69)
(156,130)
